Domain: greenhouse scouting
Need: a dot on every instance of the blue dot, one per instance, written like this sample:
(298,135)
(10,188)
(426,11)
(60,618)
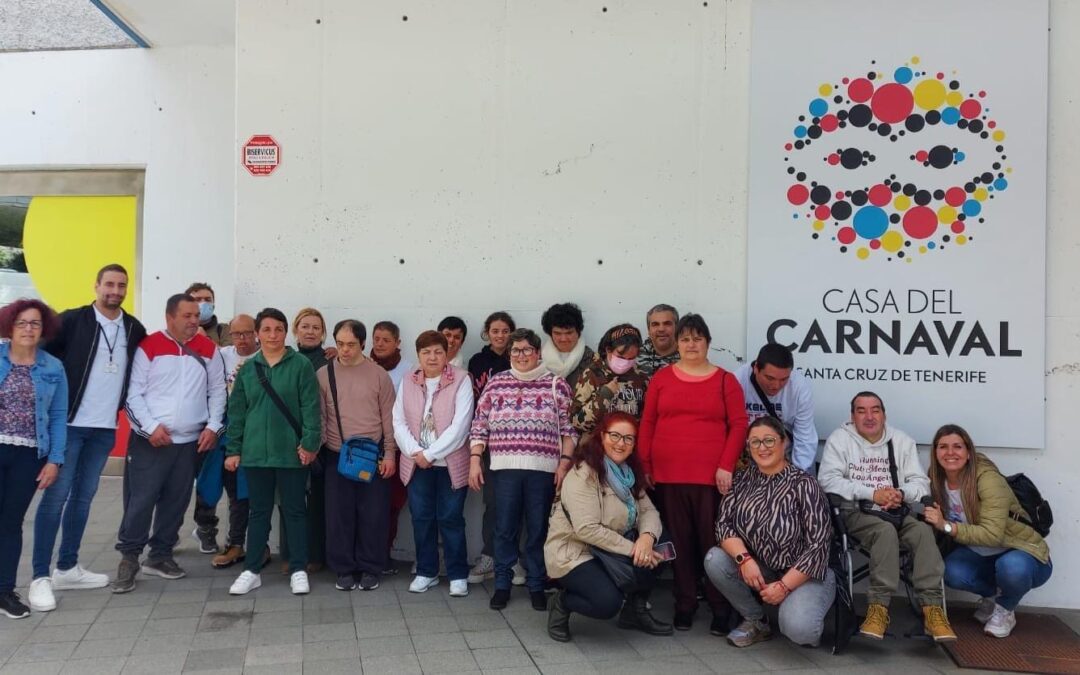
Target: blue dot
(794,216)
(818,107)
(1001,184)
(931,245)
(950,115)
(959,157)
(870,222)
(972,208)
(902,75)
(800,131)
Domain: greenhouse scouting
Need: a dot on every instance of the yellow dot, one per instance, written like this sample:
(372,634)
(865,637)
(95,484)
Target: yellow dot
(891,241)
(929,94)
(819,226)
(946,214)
(1008,170)
(825,89)
(922,249)
(961,239)
(954,98)
(915,60)
(907,260)
(863,253)
(980,195)
(999,135)
(902,203)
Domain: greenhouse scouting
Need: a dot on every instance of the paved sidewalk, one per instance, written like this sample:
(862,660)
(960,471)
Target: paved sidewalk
(193,624)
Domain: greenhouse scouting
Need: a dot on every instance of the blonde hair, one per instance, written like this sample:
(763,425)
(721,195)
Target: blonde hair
(969,489)
(306,312)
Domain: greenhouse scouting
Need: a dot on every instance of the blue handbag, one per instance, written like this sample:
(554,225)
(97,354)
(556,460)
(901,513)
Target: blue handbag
(358,459)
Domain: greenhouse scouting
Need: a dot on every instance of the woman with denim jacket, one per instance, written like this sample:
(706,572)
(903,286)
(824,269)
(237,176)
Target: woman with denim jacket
(33,429)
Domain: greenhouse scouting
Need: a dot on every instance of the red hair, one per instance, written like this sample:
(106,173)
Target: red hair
(591,452)
(49,323)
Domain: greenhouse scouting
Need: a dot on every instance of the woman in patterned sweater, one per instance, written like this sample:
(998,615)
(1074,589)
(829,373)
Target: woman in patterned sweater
(773,534)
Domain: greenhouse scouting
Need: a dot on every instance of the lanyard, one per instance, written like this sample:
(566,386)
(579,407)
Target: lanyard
(111,346)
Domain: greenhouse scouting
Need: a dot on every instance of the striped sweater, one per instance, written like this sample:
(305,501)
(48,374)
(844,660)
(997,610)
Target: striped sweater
(522,423)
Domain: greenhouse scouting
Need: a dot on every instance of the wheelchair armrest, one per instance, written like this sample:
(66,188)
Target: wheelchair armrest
(835,500)
(839,525)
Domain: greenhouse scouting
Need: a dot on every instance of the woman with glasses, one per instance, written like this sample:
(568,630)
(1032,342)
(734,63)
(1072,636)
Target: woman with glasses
(33,429)
(692,432)
(523,421)
(612,381)
(773,536)
(603,506)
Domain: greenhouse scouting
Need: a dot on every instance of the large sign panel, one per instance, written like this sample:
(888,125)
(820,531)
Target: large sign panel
(898,207)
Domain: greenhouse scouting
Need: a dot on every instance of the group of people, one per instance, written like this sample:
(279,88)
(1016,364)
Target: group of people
(595,467)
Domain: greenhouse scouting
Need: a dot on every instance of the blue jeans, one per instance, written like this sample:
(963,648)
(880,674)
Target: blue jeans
(68,499)
(521,492)
(19,469)
(438,509)
(1013,572)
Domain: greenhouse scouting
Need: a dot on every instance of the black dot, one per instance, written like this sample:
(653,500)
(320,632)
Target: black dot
(604,9)
(894,218)
(914,123)
(404,18)
(814,131)
(871,75)
(975,126)
(800,176)
(895,187)
(599,262)
(838,99)
(860,115)
(851,158)
(900,254)
(843,249)
(884,129)
(814,235)
(961,124)
(987,178)
(841,115)
(315,260)
(969,187)
(318,21)
(820,195)
(858,198)
(954,85)
(799,145)
(945,238)
(907,243)
(872,126)
(933,117)
(910,189)
(939,194)
(922,197)
(940,156)
(841,210)
(791,169)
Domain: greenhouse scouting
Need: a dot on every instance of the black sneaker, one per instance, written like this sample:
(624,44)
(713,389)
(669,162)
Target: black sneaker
(124,581)
(499,599)
(368,581)
(720,625)
(12,606)
(166,569)
(539,600)
(207,540)
(345,582)
(683,620)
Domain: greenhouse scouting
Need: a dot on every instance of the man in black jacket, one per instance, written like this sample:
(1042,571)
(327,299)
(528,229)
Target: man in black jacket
(96,344)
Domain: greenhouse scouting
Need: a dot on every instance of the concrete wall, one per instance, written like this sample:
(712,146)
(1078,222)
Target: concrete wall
(169,111)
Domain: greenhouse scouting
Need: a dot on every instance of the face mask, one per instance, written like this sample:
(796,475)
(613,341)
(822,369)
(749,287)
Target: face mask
(619,365)
(206,310)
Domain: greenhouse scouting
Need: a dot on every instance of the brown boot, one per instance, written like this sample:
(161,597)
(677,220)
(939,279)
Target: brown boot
(230,557)
(937,624)
(875,623)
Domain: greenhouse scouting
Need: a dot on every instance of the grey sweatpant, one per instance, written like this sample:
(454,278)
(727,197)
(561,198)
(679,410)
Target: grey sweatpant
(157,490)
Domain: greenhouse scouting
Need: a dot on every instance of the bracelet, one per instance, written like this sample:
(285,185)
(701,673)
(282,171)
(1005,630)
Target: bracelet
(569,457)
(473,455)
(787,591)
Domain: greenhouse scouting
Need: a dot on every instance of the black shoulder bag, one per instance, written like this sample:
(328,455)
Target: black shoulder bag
(619,567)
(894,517)
(260,371)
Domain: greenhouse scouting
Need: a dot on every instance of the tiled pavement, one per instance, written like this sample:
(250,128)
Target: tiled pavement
(193,624)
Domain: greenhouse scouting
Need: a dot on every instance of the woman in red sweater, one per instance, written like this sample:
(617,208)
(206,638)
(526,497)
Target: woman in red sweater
(692,431)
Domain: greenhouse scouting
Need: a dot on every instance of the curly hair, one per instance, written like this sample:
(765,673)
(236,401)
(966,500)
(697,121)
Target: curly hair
(591,452)
(50,324)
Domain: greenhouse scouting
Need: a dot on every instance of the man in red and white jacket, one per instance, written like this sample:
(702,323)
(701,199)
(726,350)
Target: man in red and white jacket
(175,402)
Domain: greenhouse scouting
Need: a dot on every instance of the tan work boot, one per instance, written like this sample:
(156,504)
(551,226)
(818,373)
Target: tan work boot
(937,624)
(230,557)
(877,620)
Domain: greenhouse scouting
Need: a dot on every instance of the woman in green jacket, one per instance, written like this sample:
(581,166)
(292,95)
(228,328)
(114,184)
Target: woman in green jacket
(999,556)
(274,448)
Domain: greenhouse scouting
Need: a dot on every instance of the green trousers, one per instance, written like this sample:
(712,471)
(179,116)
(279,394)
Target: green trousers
(884,542)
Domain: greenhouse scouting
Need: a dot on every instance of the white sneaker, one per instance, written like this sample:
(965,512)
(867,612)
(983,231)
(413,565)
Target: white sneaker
(519,575)
(245,583)
(41,595)
(459,588)
(421,584)
(78,578)
(985,609)
(483,569)
(1000,623)
(298,582)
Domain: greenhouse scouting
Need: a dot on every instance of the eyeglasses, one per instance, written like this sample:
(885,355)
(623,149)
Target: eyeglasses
(769,442)
(23,324)
(240,335)
(617,438)
(522,351)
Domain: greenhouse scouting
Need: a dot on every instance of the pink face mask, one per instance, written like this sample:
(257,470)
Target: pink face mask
(618,364)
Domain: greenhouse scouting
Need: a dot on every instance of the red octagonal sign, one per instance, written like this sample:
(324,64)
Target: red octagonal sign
(261,155)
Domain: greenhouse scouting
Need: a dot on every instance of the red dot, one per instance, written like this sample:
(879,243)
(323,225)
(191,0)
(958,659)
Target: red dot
(955,196)
(839,195)
(845,235)
(880,195)
(834,159)
(957,226)
(860,90)
(875,244)
(829,123)
(920,222)
(822,212)
(941,76)
(982,94)
(798,194)
(845,80)
(992,124)
(921,156)
(787,146)
(892,103)
(970,109)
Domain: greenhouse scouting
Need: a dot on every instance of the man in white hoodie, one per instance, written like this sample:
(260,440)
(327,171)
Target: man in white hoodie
(876,468)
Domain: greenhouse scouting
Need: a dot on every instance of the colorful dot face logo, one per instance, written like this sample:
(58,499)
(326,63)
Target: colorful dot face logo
(895,217)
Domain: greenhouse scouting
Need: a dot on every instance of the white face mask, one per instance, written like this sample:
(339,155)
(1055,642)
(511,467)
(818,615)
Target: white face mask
(619,365)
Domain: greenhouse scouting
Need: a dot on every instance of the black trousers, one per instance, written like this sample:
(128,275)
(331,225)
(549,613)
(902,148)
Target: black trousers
(591,592)
(689,515)
(357,522)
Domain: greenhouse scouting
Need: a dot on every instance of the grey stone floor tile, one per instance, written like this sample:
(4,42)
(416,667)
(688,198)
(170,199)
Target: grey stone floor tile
(137,598)
(334,650)
(653,646)
(100,649)
(448,662)
(338,599)
(265,655)
(438,642)
(293,617)
(276,635)
(502,657)
(180,626)
(114,629)
(219,640)
(379,598)
(133,612)
(92,599)
(567,668)
(183,597)
(39,668)
(376,613)
(246,605)
(489,621)
(349,667)
(64,616)
(161,645)
(177,611)
(98,666)
(276,669)
(491,638)
(43,651)
(436,624)
(216,621)
(154,664)
(322,615)
(15,633)
(368,629)
(215,659)
(402,664)
(329,631)
(554,653)
(386,646)
(522,670)
(426,610)
(44,634)
(679,664)
(267,603)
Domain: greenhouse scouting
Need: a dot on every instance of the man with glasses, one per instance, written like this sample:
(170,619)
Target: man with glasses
(96,344)
(772,387)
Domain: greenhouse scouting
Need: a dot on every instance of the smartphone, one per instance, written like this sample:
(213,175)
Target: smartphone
(666,550)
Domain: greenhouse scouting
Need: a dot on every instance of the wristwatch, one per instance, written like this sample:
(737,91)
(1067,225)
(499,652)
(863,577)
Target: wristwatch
(948,528)
(743,558)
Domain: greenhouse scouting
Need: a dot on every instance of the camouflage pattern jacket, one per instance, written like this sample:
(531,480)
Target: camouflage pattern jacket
(593,398)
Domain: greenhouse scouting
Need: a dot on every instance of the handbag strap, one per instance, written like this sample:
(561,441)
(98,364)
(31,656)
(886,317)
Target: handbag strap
(333,395)
(892,466)
(260,371)
(769,407)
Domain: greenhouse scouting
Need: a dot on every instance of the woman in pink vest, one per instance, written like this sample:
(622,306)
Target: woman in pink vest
(432,416)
